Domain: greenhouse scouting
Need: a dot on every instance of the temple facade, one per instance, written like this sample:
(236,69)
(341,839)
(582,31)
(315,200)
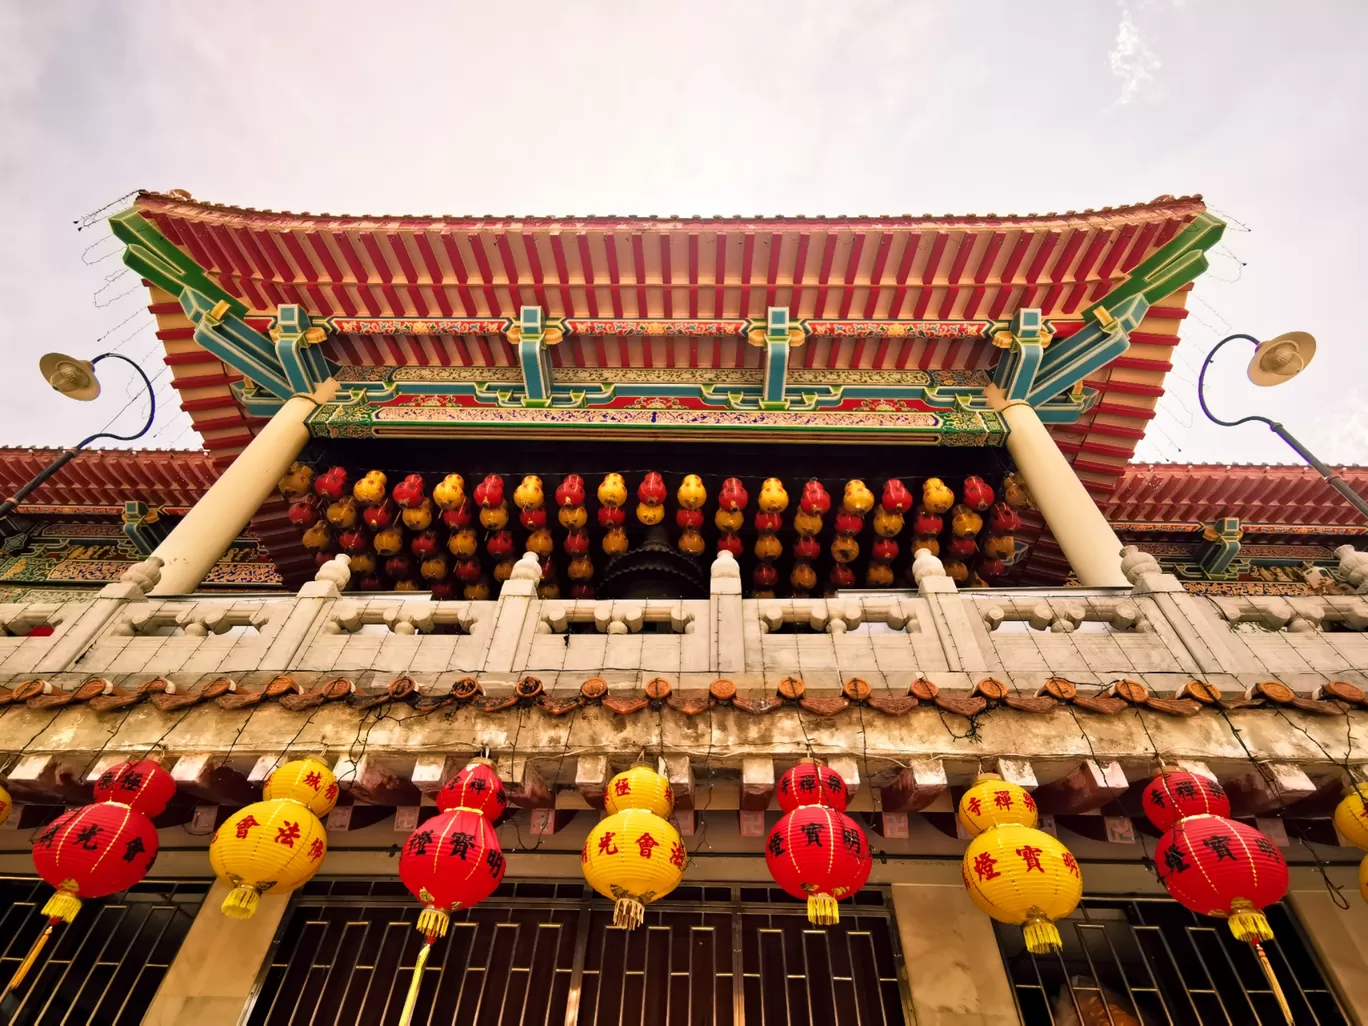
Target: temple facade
(724,498)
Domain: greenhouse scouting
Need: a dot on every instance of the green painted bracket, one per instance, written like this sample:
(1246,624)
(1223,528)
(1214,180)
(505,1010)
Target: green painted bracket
(152,255)
(221,332)
(1016,370)
(532,358)
(304,366)
(1167,270)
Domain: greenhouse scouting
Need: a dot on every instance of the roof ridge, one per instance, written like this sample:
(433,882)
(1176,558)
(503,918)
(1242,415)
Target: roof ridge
(180,201)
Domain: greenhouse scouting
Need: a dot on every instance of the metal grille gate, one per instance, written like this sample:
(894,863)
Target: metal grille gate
(547,954)
(1149,961)
(105,967)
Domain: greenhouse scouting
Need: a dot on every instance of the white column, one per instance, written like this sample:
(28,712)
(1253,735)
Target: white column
(209,528)
(1087,540)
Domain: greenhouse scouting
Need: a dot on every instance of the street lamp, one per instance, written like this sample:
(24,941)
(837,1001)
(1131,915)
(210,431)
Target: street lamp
(1275,361)
(76,378)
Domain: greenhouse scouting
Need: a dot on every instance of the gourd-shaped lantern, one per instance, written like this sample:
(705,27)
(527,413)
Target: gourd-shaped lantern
(1216,866)
(816,851)
(6,805)
(634,855)
(277,843)
(98,849)
(453,860)
(1351,820)
(1014,872)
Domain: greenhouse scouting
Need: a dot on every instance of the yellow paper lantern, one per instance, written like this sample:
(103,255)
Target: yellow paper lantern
(639,788)
(6,805)
(634,856)
(1025,877)
(992,802)
(1363,878)
(1351,816)
(278,843)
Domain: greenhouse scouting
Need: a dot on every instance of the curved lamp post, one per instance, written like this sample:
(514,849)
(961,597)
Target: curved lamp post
(1275,361)
(76,378)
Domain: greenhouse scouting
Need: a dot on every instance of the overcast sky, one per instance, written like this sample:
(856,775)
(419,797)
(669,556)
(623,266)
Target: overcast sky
(844,107)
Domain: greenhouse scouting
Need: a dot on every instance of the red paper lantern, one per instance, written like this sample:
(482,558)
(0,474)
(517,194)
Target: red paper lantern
(927,523)
(142,785)
(765,575)
(885,550)
(849,523)
(1220,867)
(92,852)
(814,501)
(460,517)
(652,491)
(611,516)
(500,544)
(978,494)
(490,492)
(425,544)
(732,495)
(409,492)
(467,571)
(1002,519)
(378,517)
(576,542)
(570,492)
(303,513)
(896,497)
(842,576)
(807,548)
(450,862)
(443,590)
(476,787)
(768,522)
(810,784)
(1175,794)
(532,518)
(820,854)
(397,568)
(730,543)
(689,519)
(331,483)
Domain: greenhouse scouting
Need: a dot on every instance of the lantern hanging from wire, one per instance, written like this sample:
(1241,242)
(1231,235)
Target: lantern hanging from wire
(278,843)
(1351,820)
(1015,873)
(6,805)
(98,849)
(815,851)
(1216,866)
(453,860)
(634,855)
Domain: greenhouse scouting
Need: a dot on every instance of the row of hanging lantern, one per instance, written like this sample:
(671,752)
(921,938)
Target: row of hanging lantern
(433,542)
(1013,871)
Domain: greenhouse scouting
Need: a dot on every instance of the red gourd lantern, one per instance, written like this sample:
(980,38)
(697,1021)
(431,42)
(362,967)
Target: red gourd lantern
(101,848)
(1216,866)
(453,861)
(816,851)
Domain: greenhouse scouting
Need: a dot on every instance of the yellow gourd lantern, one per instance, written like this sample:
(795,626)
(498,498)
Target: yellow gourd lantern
(277,843)
(1351,820)
(1012,871)
(634,855)
(6,805)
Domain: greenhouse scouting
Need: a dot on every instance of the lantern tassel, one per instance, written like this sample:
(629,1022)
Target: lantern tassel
(433,922)
(1247,923)
(823,910)
(1042,937)
(32,956)
(63,904)
(628,914)
(411,999)
(242,902)
(1273,983)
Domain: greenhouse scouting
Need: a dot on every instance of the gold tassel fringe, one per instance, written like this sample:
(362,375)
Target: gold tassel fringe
(242,902)
(823,910)
(411,999)
(1042,937)
(1248,924)
(628,914)
(63,905)
(433,922)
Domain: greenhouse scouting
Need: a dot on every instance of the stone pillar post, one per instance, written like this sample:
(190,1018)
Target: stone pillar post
(213,974)
(954,972)
(209,528)
(1087,540)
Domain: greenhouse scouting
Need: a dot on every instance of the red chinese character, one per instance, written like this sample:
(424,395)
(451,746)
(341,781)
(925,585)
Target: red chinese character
(1069,863)
(1002,799)
(646,842)
(606,845)
(983,866)
(975,807)
(244,824)
(287,834)
(677,856)
(623,786)
(584,854)
(316,849)
(1032,857)
(1029,802)
(313,779)
(331,792)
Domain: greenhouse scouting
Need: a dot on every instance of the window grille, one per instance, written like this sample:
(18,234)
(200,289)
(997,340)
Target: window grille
(103,968)
(546,953)
(1151,962)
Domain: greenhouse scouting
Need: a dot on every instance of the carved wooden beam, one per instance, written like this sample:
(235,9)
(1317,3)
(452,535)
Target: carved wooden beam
(915,788)
(1089,787)
(212,780)
(374,780)
(1268,788)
